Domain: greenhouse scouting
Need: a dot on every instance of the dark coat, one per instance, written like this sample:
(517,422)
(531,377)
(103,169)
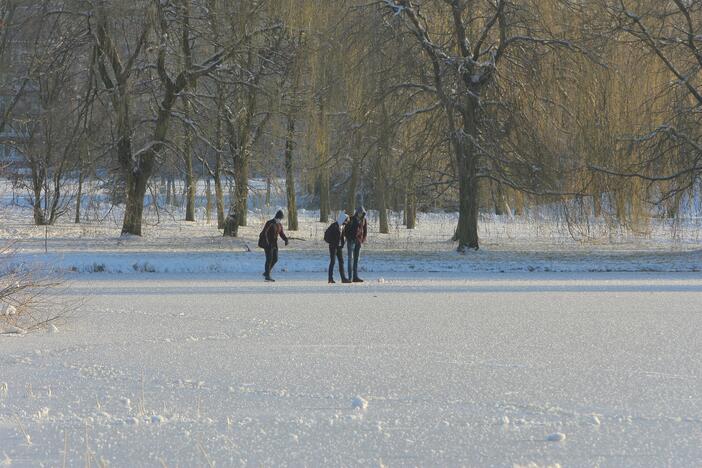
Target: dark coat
(357,229)
(335,237)
(272,230)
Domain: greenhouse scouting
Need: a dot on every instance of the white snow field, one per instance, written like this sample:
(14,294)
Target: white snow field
(525,369)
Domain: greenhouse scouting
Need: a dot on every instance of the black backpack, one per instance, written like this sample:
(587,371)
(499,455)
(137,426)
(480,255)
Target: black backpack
(328,234)
(262,237)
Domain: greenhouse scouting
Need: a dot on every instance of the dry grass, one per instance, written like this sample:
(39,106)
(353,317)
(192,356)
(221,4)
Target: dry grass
(29,299)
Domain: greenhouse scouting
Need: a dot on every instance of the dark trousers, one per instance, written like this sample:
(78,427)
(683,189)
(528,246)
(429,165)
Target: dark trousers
(334,254)
(354,251)
(271,259)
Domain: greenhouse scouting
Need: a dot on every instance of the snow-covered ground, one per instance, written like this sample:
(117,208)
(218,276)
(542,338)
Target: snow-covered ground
(170,245)
(420,369)
(553,344)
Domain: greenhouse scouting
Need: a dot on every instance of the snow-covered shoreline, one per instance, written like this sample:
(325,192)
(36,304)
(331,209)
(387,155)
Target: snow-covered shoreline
(375,262)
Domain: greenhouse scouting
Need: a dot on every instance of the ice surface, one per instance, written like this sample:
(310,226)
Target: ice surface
(457,369)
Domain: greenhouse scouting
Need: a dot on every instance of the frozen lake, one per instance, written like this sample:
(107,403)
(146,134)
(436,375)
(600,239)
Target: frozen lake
(476,369)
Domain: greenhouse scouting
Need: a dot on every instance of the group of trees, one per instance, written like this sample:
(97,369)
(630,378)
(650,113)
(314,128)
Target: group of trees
(471,105)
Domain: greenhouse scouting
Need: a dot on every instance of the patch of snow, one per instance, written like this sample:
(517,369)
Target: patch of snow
(14,330)
(536,465)
(132,421)
(43,413)
(556,437)
(359,403)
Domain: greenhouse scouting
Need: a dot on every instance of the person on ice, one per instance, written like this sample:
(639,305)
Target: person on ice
(268,241)
(335,238)
(356,233)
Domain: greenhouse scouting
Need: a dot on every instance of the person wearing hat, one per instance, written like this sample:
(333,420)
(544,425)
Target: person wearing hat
(269,241)
(335,238)
(356,234)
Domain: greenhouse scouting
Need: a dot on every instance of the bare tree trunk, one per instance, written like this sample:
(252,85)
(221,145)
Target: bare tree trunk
(404,210)
(231,226)
(324,205)
(241,188)
(353,186)
(380,195)
(597,203)
(518,203)
(355,175)
(79,195)
(499,200)
(169,198)
(208,205)
(466,153)
(410,207)
(190,86)
(290,175)
(673,205)
(322,147)
(133,212)
(189,189)
(384,227)
(56,197)
(620,206)
(37,184)
(219,193)
(467,231)
(189,175)
(380,183)
(138,177)
(268,191)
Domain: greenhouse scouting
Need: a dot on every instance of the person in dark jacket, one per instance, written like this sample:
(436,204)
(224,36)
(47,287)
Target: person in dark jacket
(335,238)
(356,234)
(272,229)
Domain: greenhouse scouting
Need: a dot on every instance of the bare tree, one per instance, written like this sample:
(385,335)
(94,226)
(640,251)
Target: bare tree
(465,43)
(118,70)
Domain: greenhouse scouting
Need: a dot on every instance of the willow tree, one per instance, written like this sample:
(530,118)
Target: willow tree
(464,44)
(321,99)
(670,32)
(358,91)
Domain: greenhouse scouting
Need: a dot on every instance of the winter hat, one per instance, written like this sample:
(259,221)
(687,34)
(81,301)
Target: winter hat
(342,218)
(360,211)
(279,214)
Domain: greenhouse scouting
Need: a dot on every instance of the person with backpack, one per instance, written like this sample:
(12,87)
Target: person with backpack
(334,237)
(356,233)
(268,241)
